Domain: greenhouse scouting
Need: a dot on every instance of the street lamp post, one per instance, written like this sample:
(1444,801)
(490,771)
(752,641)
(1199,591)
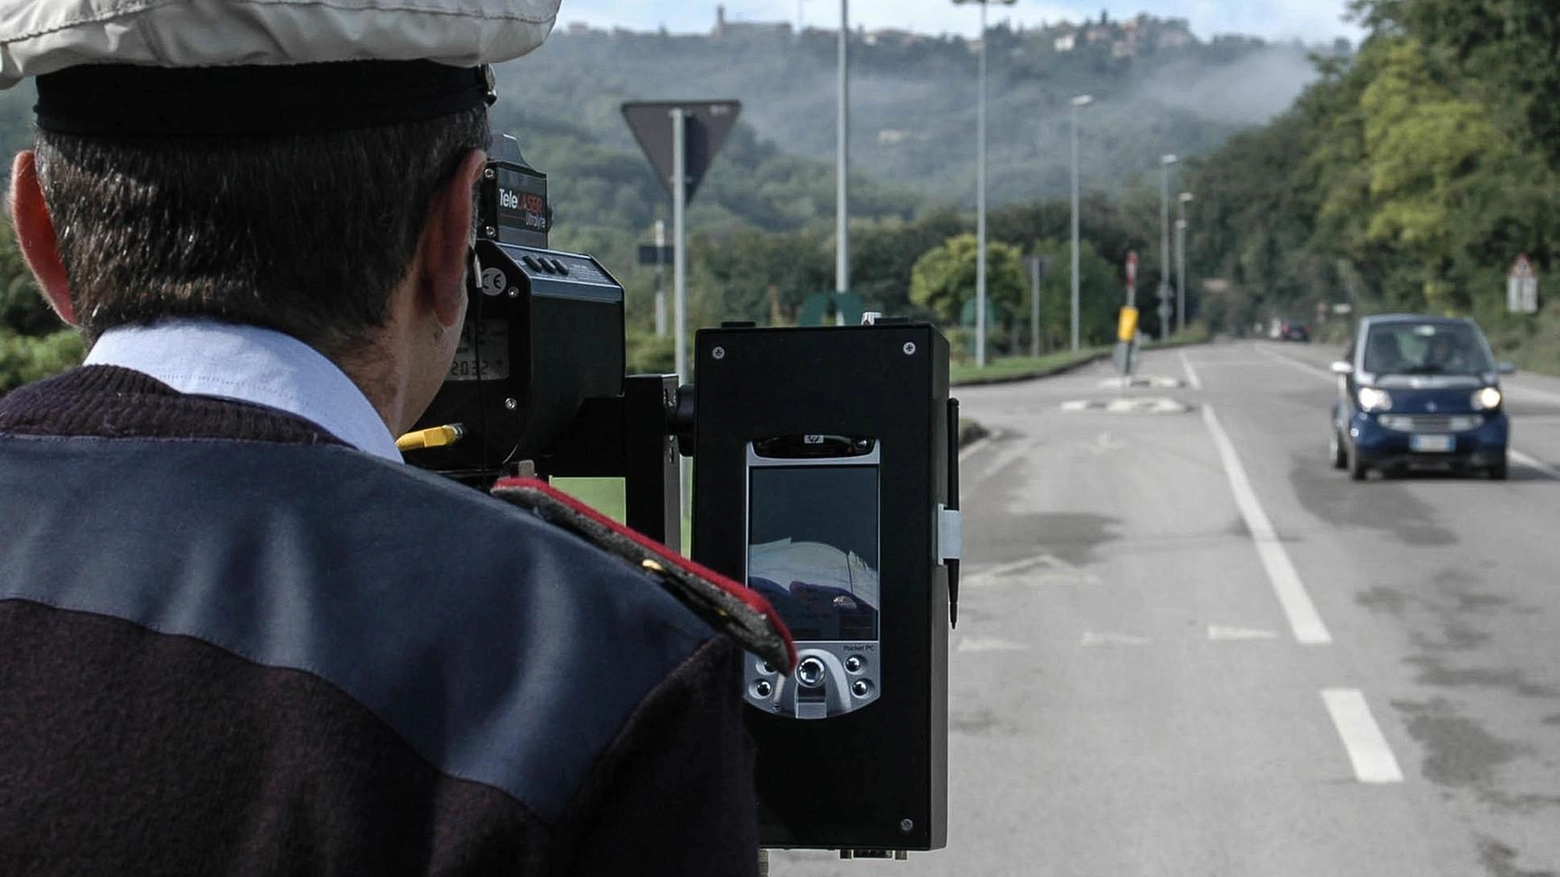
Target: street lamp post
(980,189)
(1180,260)
(1078,103)
(842,148)
(1164,245)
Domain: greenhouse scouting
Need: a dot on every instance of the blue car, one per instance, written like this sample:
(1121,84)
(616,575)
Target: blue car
(1419,393)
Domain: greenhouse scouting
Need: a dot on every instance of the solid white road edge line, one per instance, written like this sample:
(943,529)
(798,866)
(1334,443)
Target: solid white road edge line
(1517,456)
(1292,596)
(973,448)
(1324,374)
(1362,738)
(1532,463)
(1191,374)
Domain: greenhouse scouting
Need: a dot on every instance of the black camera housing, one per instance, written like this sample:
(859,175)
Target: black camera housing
(874,778)
(543,334)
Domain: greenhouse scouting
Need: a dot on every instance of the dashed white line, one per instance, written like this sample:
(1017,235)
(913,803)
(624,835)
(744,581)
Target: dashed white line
(1368,750)
(1191,374)
(1298,607)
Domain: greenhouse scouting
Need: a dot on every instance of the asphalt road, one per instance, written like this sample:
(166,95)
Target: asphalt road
(1188,646)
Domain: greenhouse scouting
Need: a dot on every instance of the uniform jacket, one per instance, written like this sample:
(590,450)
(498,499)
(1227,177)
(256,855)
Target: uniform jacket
(230,645)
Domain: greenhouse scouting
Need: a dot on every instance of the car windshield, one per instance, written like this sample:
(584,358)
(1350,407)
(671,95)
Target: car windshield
(1425,349)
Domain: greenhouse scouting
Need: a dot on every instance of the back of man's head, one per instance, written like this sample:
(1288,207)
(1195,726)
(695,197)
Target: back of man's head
(265,163)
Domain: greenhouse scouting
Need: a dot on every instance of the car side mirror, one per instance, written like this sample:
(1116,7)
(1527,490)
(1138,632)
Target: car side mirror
(1506,368)
(1342,368)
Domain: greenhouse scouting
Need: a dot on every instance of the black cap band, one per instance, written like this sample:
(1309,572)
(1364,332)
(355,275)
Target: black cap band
(134,101)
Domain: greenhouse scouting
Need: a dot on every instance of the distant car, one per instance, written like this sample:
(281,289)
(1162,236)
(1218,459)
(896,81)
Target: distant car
(1419,393)
(1293,332)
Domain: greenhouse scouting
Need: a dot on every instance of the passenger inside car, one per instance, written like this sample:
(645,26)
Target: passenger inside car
(1382,354)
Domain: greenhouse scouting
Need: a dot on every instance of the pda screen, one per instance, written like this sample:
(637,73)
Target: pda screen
(813,548)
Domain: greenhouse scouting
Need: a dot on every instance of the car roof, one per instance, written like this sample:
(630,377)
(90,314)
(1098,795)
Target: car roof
(1379,319)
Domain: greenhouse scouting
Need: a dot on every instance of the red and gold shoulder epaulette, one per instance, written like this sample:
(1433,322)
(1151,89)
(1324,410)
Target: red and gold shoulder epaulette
(731,608)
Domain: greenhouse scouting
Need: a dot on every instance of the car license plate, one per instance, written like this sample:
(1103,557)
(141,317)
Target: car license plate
(1431,444)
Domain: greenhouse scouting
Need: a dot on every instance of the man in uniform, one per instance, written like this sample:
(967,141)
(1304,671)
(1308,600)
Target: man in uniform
(237,634)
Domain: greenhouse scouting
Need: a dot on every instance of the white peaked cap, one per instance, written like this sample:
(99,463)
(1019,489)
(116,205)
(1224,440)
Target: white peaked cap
(45,36)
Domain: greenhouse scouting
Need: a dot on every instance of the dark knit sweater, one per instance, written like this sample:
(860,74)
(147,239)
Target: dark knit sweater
(222,653)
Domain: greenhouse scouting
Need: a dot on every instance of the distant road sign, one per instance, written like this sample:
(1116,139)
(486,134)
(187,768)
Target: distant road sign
(1164,310)
(1522,287)
(1126,326)
(650,254)
(708,124)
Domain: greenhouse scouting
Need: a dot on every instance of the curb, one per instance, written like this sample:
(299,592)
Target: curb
(1064,369)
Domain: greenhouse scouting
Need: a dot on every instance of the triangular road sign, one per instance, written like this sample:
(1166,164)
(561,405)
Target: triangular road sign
(708,124)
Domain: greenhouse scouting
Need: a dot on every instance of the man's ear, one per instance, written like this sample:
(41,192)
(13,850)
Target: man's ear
(35,235)
(446,240)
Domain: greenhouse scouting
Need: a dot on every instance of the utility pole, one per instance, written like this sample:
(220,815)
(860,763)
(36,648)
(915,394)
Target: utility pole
(980,189)
(842,160)
(1164,246)
(1078,103)
(1180,258)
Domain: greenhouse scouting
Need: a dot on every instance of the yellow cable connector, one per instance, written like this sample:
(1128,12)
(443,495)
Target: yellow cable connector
(434,437)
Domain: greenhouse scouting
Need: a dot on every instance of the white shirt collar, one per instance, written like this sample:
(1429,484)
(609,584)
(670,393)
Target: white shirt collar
(250,364)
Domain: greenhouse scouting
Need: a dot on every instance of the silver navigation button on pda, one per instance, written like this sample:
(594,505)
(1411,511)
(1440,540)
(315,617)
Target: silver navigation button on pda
(810,672)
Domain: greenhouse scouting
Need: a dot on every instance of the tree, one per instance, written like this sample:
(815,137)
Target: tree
(1100,294)
(944,279)
(33,342)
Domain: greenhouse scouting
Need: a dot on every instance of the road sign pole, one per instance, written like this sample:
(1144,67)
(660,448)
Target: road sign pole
(680,239)
(1034,266)
(660,278)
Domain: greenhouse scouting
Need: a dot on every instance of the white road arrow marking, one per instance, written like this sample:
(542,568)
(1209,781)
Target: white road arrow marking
(1217,632)
(1090,638)
(977,644)
(1047,569)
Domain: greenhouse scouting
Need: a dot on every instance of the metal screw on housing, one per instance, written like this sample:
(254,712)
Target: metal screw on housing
(718,353)
(489,231)
(511,404)
(488,174)
(909,348)
(514,292)
(907,825)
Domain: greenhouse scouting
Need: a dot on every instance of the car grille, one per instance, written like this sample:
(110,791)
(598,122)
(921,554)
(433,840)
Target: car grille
(1441,423)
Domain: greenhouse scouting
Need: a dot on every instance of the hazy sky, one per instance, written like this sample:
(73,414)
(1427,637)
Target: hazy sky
(1309,20)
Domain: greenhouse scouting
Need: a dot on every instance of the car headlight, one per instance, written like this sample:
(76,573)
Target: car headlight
(1486,399)
(1372,399)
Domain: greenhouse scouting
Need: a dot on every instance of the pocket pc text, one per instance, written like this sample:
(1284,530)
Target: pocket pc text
(813,551)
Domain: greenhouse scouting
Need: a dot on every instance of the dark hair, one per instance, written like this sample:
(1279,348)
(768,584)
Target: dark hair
(306,234)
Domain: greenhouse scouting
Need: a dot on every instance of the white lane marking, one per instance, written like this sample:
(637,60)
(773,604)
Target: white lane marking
(1126,405)
(978,644)
(1191,374)
(1308,369)
(1292,596)
(1047,569)
(1156,382)
(973,448)
(1002,461)
(1217,633)
(1541,395)
(1090,638)
(1532,463)
(1368,750)
(1105,444)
